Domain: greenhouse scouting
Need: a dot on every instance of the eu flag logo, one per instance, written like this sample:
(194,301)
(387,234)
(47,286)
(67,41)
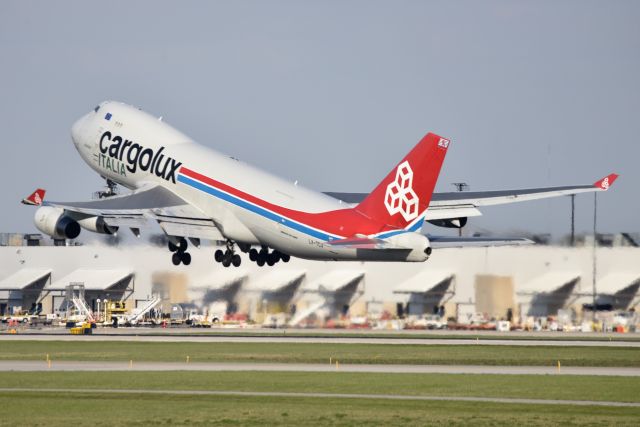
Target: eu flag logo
(107,116)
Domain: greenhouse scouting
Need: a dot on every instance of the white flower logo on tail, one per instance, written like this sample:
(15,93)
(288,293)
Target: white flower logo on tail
(400,197)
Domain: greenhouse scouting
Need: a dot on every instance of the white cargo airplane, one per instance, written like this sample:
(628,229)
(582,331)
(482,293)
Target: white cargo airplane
(194,192)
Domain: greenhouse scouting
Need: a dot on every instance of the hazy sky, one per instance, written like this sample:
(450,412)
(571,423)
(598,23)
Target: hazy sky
(334,93)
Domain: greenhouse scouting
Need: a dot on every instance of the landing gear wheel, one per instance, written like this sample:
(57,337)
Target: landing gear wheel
(236,260)
(172,247)
(260,261)
(226,262)
(285,257)
(186,258)
(176,259)
(253,255)
(273,258)
(183,244)
(219,256)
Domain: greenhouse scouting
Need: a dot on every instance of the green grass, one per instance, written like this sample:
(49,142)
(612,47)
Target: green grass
(602,388)
(79,410)
(320,353)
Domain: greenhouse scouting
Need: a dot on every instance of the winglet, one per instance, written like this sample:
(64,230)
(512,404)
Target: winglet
(35,198)
(606,182)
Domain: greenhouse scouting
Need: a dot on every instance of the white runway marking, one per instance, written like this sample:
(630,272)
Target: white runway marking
(26,366)
(325,395)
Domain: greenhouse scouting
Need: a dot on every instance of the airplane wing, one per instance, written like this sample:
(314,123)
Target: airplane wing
(174,215)
(465,204)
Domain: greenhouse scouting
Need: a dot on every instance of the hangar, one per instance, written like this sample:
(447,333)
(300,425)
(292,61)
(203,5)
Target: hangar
(456,283)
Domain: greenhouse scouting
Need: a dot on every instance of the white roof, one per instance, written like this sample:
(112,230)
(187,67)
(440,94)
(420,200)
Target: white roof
(219,280)
(549,282)
(276,280)
(93,280)
(335,280)
(423,282)
(616,282)
(23,278)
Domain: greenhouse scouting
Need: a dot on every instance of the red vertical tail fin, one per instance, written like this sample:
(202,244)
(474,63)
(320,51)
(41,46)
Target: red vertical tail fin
(403,196)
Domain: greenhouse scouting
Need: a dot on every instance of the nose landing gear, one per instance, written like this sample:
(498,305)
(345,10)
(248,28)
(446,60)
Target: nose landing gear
(180,254)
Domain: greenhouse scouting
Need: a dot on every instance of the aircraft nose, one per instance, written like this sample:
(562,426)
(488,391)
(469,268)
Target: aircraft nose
(78,130)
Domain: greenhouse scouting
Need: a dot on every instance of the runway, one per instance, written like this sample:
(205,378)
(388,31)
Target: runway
(26,366)
(205,338)
(324,396)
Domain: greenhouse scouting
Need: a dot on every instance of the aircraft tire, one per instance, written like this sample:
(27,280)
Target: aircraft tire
(285,257)
(273,258)
(253,255)
(219,256)
(236,260)
(260,261)
(172,247)
(176,259)
(226,262)
(183,244)
(186,258)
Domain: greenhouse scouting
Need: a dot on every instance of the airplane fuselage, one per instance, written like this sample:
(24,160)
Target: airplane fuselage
(136,149)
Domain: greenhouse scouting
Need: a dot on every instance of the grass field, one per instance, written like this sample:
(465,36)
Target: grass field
(101,409)
(95,410)
(618,389)
(320,353)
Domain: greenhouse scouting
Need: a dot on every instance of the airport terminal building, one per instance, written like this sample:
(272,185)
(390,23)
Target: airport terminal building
(512,283)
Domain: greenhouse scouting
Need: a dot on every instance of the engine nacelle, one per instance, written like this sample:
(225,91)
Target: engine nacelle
(449,222)
(56,223)
(97,224)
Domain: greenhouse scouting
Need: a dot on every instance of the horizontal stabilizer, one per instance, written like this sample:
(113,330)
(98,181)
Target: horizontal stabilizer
(440,242)
(365,243)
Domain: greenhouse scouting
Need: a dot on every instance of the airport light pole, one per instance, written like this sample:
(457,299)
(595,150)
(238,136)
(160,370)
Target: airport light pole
(573,220)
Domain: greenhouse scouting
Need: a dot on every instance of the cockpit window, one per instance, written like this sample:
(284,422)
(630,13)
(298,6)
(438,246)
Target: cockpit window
(97,108)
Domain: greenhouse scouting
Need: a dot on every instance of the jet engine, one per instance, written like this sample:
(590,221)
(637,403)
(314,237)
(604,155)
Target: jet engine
(97,224)
(449,222)
(56,223)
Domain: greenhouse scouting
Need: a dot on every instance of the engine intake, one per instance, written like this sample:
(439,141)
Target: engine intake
(56,223)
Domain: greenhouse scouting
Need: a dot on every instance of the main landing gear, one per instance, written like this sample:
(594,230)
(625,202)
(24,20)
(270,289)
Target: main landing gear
(229,256)
(180,254)
(263,256)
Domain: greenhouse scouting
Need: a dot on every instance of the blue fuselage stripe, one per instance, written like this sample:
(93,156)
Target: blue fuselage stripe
(255,209)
